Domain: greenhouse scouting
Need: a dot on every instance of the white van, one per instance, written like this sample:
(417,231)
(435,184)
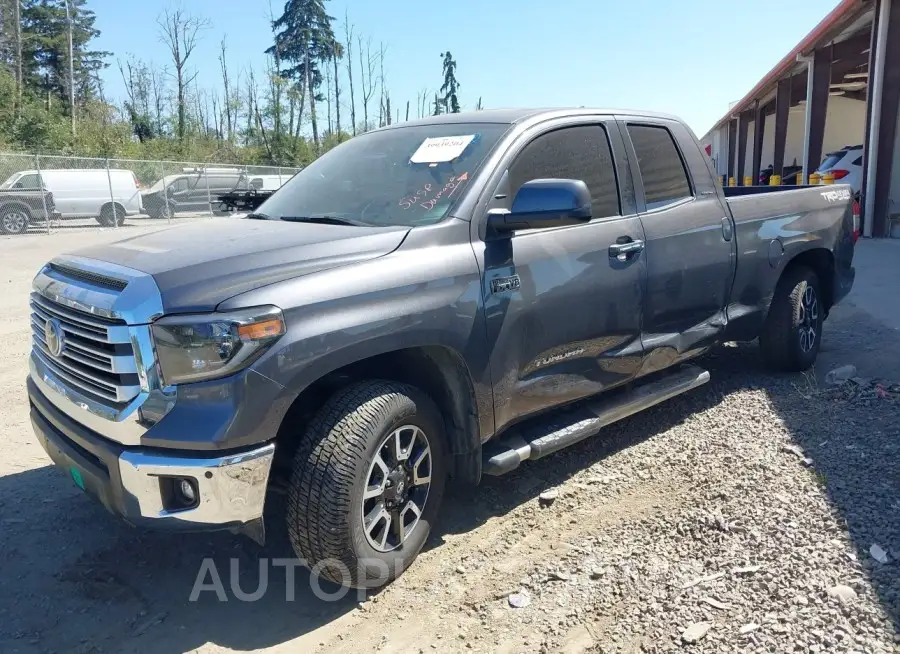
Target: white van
(85,193)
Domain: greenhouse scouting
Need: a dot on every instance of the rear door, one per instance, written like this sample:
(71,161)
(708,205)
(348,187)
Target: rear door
(562,312)
(689,244)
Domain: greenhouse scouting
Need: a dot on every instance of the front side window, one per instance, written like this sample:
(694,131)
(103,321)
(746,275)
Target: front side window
(403,176)
(662,170)
(581,152)
(28,182)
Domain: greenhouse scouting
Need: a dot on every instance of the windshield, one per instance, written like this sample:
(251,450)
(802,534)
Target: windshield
(406,176)
(159,185)
(10,180)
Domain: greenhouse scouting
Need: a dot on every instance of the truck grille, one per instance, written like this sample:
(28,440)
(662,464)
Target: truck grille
(89,353)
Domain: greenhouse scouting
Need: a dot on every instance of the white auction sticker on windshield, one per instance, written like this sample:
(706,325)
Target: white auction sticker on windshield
(441,149)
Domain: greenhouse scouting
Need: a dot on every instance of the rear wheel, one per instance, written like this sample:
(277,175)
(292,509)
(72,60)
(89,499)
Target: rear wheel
(367,483)
(792,334)
(14,220)
(111,215)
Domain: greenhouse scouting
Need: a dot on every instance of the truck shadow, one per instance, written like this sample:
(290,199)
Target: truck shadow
(75,576)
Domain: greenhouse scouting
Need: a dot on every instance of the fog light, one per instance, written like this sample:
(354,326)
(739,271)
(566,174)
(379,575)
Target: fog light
(187,491)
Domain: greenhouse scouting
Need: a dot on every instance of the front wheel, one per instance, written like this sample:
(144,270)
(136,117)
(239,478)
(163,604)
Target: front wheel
(367,483)
(792,334)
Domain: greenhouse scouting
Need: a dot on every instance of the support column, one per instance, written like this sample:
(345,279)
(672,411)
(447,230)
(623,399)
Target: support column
(782,111)
(884,101)
(817,102)
(743,128)
(759,127)
(732,147)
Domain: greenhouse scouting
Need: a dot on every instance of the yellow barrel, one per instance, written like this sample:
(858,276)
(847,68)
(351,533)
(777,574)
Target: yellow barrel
(748,180)
(775,180)
(799,177)
(815,178)
(732,181)
(828,178)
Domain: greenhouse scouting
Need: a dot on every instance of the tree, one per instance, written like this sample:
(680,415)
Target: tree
(348,38)
(45,51)
(337,53)
(138,87)
(438,105)
(226,85)
(478,105)
(304,38)
(367,77)
(450,85)
(180,32)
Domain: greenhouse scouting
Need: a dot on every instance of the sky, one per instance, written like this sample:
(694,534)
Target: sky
(689,58)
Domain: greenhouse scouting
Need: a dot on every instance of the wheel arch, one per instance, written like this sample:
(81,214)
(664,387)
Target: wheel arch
(821,261)
(118,205)
(439,371)
(16,204)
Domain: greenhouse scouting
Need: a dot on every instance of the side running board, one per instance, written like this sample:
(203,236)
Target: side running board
(545,436)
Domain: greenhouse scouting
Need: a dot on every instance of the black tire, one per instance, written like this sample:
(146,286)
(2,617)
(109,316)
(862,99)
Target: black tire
(106,216)
(794,318)
(331,472)
(14,220)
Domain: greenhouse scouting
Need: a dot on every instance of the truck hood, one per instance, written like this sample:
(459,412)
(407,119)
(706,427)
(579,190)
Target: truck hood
(198,266)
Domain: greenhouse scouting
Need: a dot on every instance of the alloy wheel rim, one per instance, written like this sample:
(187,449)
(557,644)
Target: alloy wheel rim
(397,487)
(14,221)
(809,319)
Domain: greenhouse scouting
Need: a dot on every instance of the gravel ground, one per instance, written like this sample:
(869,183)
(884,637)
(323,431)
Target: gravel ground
(758,513)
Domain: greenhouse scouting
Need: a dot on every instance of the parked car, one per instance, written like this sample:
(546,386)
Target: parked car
(21,207)
(191,190)
(846,165)
(434,300)
(105,195)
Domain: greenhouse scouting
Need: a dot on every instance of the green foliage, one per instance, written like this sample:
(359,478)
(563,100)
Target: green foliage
(45,55)
(267,115)
(450,85)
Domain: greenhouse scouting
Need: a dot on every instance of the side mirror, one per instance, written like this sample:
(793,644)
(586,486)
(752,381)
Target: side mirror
(543,203)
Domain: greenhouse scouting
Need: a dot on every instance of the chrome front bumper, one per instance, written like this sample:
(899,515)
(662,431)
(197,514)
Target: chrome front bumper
(230,489)
(137,483)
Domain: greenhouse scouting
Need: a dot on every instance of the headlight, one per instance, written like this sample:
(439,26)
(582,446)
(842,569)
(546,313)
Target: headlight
(199,347)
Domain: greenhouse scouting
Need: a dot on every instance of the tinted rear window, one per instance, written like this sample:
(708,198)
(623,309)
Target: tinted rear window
(662,171)
(831,160)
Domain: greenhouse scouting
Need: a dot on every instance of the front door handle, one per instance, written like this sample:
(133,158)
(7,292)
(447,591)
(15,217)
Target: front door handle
(624,251)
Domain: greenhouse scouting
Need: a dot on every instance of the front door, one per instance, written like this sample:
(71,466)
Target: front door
(689,244)
(563,312)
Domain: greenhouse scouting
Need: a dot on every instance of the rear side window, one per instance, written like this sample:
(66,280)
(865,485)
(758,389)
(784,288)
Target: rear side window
(857,161)
(581,152)
(662,171)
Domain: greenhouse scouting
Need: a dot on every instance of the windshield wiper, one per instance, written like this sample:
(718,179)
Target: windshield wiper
(324,220)
(257,216)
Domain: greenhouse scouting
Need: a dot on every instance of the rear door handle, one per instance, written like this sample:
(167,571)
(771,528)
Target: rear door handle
(624,251)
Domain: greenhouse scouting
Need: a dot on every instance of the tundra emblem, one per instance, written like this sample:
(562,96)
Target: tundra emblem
(505,284)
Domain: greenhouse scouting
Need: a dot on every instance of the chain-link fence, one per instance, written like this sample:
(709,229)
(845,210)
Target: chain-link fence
(44,193)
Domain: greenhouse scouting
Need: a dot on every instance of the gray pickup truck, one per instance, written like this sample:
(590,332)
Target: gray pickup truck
(435,300)
(24,205)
